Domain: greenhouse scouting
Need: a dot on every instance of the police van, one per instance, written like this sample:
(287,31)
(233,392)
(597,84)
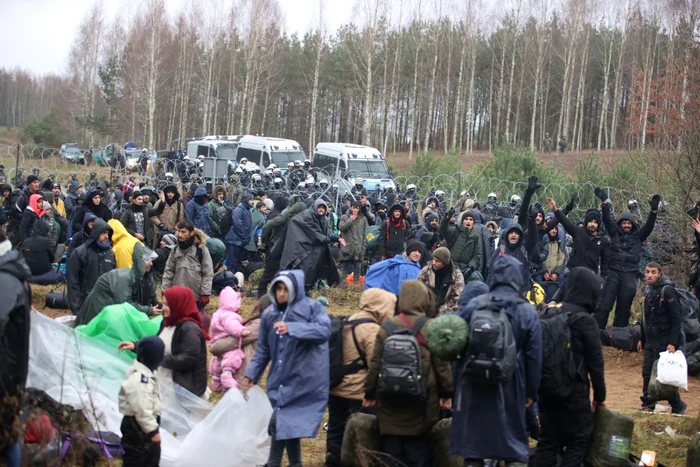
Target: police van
(352,161)
(263,151)
(219,154)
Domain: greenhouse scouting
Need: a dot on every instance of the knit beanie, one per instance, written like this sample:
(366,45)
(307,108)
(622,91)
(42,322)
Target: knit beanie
(443,254)
(32,178)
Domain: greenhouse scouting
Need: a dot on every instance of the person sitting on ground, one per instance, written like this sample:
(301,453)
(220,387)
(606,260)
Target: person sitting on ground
(227,322)
(567,424)
(661,329)
(33,212)
(404,425)
(445,279)
(293,339)
(134,286)
(82,236)
(139,403)
(190,264)
(87,263)
(376,307)
(39,254)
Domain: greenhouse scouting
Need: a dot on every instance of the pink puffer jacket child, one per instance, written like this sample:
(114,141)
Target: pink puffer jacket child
(226,322)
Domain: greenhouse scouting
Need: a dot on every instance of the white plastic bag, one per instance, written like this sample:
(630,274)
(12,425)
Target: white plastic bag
(673,369)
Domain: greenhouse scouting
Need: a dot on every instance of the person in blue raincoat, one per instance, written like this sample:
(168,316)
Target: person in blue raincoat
(489,421)
(293,337)
(390,274)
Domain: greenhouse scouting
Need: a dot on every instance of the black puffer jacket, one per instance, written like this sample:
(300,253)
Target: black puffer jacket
(86,265)
(662,318)
(588,250)
(15,307)
(189,368)
(626,247)
(582,293)
(391,237)
(38,251)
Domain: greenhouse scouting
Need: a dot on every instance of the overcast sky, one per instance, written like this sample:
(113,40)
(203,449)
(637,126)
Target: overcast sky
(37,34)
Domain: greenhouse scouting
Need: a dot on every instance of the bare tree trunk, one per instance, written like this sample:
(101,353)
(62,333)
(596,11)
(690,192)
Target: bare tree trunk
(315,90)
(608,41)
(414,115)
(612,142)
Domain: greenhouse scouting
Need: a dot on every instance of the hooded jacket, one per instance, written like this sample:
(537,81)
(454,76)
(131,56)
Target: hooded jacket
(465,245)
(588,250)
(401,419)
(392,235)
(85,266)
(451,288)
(71,198)
(227,321)
(81,237)
(241,223)
(626,247)
(38,251)
(489,421)
(582,294)
(216,210)
(517,251)
(184,267)
(257,221)
(354,235)
(378,306)
(280,205)
(662,321)
(134,286)
(123,244)
(129,221)
(168,214)
(197,211)
(34,211)
(277,227)
(308,237)
(299,376)
(99,210)
(15,308)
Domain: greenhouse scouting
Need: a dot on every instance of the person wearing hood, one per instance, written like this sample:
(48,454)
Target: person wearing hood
(464,242)
(227,322)
(139,403)
(431,206)
(272,242)
(511,244)
(489,421)
(217,207)
(134,286)
(352,226)
(93,203)
(74,190)
(238,236)
(280,205)
(293,340)
(87,263)
(567,423)
(82,236)
(429,231)
(661,329)
(33,212)
(137,219)
(376,307)
(169,210)
(197,211)
(393,233)
(590,248)
(166,245)
(123,244)
(190,264)
(306,246)
(625,253)
(258,220)
(15,309)
(404,426)
(444,278)
(39,254)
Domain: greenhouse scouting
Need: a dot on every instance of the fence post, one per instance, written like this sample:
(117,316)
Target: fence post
(17,164)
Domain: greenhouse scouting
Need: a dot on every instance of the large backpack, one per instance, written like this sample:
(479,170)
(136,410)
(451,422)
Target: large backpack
(401,373)
(492,354)
(372,236)
(558,366)
(226,221)
(689,305)
(339,369)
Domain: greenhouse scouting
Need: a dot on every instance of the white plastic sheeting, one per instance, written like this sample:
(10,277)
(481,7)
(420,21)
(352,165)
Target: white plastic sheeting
(81,372)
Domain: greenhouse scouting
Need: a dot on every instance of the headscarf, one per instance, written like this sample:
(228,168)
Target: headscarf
(182,308)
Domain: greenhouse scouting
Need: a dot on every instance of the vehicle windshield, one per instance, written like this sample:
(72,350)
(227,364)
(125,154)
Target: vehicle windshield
(226,151)
(282,158)
(73,150)
(368,168)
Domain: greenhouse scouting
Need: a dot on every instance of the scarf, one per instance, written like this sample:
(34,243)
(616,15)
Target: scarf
(186,244)
(182,308)
(103,246)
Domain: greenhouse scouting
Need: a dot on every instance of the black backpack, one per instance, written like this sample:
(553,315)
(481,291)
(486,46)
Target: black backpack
(401,373)
(492,354)
(339,369)
(226,221)
(558,366)
(688,304)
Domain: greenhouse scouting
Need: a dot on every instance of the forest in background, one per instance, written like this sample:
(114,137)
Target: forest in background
(403,75)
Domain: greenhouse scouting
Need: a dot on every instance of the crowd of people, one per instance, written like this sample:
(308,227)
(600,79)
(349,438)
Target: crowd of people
(119,244)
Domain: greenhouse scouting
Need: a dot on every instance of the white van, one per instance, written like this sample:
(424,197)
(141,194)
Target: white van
(353,161)
(218,147)
(263,151)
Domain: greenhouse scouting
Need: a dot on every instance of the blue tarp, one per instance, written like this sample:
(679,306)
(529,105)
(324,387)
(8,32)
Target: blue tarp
(389,274)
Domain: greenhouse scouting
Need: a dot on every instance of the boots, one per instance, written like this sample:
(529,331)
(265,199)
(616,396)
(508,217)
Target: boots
(648,404)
